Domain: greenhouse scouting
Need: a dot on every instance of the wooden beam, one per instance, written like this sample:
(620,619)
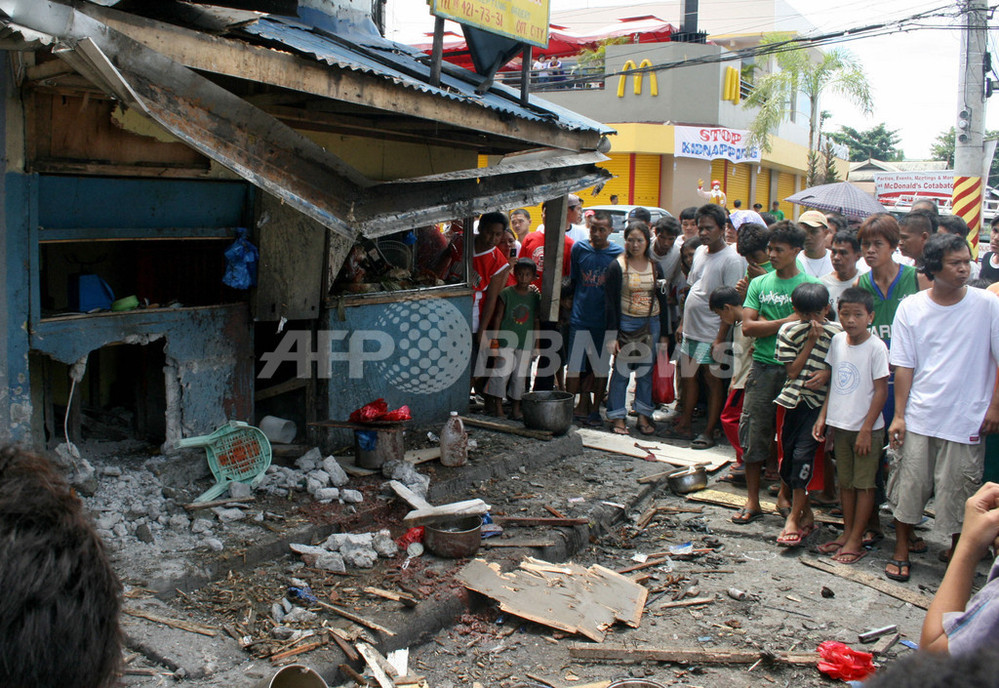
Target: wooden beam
(892,589)
(407,600)
(410,497)
(244,61)
(507,428)
(680,655)
(437,56)
(445,512)
(551,278)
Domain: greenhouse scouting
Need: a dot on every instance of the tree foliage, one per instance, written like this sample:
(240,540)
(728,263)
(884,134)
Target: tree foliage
(943,149)
(799,74)
(877,142)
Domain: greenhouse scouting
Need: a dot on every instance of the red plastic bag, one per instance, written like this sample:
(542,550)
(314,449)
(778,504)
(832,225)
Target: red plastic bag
(369,412)
(409,537)
(843,662)
(662,379)
(401,413)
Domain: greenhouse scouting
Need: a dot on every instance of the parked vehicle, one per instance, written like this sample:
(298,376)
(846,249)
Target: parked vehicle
(619,217)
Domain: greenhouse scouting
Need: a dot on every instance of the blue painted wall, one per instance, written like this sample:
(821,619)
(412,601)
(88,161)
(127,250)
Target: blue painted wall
(15,392)
(418,354)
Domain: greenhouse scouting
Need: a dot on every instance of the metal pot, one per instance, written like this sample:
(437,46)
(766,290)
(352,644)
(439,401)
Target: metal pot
(550,411)
(454,540)
(687,480)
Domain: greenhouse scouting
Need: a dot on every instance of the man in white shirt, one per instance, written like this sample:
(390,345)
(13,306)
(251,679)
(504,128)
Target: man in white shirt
(575,227)
(815,261)
(945,346)
(844,254)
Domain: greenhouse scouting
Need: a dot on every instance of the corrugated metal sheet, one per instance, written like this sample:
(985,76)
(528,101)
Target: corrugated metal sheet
(738,185)
(646,190)
(408,68)
(785,187)
(763,188)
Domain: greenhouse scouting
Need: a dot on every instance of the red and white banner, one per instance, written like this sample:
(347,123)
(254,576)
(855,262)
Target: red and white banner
(711,143)
(891,187)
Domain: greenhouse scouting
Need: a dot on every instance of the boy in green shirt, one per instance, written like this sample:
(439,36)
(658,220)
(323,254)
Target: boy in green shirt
(767,307)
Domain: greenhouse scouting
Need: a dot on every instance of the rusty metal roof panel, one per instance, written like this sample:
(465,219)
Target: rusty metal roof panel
(409,68)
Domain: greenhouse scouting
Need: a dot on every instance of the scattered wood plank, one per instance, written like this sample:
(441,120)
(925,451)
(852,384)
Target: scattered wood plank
(539,521)
(354,676)
(654,477)
(371,657)
(405,599)
(644,565)
(568,597)
(172,623)
(715,458)
(350,616)
(346,648)
(410,497)
(301,650)
(280,388)
(515,542)
(691,602)
(897,591)
(507,428)
(884,643)
(418,456)
(218,502)
(687,655)
(646,518)
(553,511)
(445,512)
(734,501)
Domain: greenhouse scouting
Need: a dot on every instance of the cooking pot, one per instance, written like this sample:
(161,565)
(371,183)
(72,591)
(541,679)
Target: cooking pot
(687,480)
(550,411)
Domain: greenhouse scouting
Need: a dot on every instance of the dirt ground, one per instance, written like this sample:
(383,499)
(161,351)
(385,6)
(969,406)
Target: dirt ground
(788,606)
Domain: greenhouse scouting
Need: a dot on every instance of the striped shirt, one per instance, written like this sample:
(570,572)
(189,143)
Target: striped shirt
(790,341)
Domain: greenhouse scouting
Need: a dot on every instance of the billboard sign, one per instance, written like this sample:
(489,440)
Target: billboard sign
(893,188)
(522,20)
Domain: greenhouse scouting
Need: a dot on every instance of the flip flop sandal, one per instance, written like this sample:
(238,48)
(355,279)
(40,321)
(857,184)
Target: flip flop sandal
(871,538)
(647,429)
(618,430)
(744,516)
(899,564)
(702,442)
(829,547)
(849,557)
(918,546)
(672,434)
(594,420)
(792,539)
(773,489)
(732,477)
(784,511)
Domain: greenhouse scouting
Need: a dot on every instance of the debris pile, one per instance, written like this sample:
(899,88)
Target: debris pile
(340,550)
(323,478)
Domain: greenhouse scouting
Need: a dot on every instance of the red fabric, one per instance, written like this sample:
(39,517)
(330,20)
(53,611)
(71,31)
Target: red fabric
(485,266)
(843,662)
(731,412)
(533,247)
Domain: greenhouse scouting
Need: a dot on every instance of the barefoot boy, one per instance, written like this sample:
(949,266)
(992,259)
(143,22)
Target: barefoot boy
(517,312)
(802,347)
(858,389)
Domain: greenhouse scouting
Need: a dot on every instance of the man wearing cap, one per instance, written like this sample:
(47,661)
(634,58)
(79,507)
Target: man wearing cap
(816,260)
(576,228)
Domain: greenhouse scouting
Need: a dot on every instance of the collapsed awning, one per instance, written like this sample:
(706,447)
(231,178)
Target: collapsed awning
(271,155)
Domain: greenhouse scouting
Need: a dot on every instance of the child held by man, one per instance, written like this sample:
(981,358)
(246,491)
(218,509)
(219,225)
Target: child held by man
(802,347)
(517,314)
(857,392)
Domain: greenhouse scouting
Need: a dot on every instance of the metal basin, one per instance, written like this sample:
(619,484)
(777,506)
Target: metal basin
(456,540)
(687,480)
(550,411)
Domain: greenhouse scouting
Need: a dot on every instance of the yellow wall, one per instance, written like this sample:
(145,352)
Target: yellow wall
(762,188)
(785,187)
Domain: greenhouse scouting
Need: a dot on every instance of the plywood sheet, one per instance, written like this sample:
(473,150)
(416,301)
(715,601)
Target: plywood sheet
(645,448)
(735,501)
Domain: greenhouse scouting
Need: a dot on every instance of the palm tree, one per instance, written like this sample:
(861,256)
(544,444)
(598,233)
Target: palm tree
(798,73)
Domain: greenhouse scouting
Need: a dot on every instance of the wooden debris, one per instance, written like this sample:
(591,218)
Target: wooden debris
(897,591)
(568,597)
(352,674)
(407,600)
(507,428)
(539,521)
(350,616)
(715,655)
(734,501)
(713,458)
(218,502)
(172,623)
(553,511)
(644,565)
(692,602)
(410,497)
(514,542)
(884,644)
(345,647)
(376,664)
(297,651)
(418,456)
(445,512)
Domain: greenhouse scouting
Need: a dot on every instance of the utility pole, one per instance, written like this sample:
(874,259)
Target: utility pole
(969,152)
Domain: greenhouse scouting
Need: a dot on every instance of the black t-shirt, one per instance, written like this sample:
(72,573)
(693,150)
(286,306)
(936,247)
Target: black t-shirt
(988,272)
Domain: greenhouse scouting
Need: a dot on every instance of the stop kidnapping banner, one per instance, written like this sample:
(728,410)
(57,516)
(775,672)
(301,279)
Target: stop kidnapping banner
(711,143)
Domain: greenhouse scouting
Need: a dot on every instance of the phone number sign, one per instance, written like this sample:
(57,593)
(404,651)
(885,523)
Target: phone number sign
(523,20)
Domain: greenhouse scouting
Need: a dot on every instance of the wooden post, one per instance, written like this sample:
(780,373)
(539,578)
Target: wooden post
(527,59)
(438,52)
(551,280)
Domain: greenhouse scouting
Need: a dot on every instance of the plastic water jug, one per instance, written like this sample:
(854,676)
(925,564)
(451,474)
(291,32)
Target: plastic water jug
(454,442)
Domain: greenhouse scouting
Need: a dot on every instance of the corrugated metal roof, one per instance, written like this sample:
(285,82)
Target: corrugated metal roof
(404,66)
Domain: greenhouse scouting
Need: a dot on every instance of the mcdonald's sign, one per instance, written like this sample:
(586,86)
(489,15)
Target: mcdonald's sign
(637,77)
(731,89)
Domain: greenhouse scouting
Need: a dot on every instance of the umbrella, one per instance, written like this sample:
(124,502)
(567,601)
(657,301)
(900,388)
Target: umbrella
(841,197)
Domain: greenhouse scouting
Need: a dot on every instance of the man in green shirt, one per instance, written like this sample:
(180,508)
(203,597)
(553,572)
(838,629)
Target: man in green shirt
(766,308)
(776,211)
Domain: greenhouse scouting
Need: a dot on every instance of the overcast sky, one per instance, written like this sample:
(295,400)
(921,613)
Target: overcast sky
(913,74)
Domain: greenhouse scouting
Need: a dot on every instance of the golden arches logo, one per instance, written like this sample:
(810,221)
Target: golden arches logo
(630,65)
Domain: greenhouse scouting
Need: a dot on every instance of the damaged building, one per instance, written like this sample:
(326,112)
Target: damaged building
(142,139)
